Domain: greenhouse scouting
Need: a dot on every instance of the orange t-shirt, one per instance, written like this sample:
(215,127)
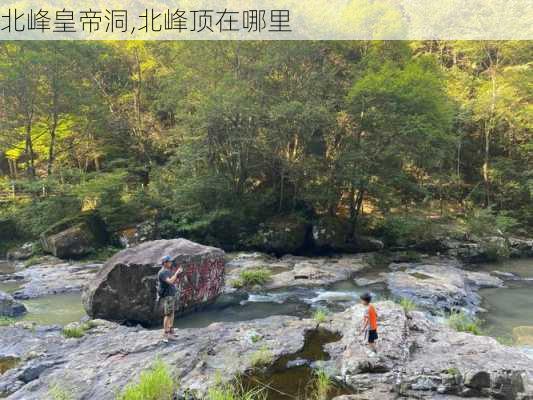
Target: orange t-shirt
(372,317)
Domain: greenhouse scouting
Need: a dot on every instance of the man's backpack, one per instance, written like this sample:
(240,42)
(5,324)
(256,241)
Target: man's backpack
(160,288)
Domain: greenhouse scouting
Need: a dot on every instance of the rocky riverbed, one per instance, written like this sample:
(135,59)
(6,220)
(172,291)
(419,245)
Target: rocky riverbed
(419,357)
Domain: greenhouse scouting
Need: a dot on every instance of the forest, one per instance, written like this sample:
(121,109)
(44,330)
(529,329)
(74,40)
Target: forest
(215,141)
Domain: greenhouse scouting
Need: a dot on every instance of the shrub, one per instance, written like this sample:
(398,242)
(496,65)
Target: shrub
(462,322)
(321,385)
(73,332)
(484,222)
(235,391)
(6,321)
(407,304)
(398,230)
(320,315)
(262,357)
(154,384)
(59,393)
(252,277)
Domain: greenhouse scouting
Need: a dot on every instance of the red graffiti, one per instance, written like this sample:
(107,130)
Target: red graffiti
(200,283)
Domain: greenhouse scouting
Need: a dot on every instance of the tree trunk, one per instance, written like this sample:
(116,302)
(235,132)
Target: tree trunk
(487,136)
(30,155)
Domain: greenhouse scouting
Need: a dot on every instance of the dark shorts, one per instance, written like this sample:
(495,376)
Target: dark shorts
(372,336)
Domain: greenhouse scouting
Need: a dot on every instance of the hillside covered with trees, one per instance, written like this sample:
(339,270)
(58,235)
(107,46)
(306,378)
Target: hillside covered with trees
(217,141)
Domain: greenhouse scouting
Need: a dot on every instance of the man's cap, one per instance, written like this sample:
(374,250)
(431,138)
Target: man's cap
(366,296)
(165,259)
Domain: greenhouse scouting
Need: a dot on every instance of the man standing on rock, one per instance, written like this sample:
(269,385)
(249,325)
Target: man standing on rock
(167,294)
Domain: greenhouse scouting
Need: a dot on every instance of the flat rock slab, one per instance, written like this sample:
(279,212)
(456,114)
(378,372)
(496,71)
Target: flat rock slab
(125,288)
(417,358)
(293,271)
(52,277)
(441,286)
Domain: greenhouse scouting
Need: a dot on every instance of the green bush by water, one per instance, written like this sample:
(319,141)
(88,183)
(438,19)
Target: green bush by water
(252,277)
(262,357)
(321,385)
(6,321)
(407,304)
(156,383)
(320,315)
(235,391)
(462,322)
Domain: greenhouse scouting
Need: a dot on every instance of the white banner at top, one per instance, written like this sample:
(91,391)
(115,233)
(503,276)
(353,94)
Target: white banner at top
(266,20)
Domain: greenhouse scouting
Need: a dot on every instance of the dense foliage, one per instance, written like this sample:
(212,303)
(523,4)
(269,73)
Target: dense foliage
(211,139)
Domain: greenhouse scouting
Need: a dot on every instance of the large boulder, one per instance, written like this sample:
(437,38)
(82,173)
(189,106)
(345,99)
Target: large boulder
(125,288)
(9,307)
(75,237)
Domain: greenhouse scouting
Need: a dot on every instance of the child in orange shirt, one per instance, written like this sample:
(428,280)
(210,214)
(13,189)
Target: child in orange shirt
(370,321)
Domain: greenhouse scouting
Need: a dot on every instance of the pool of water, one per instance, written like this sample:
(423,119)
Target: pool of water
(10,287)
(282,381)
(59,309)
(510,307)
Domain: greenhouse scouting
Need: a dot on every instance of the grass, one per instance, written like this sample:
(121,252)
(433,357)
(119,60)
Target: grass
(235,391)
(506,340)
(453,371)
(252,277)
(321,385)
(407,304)
(320,315)
(6,321)
(155,383)
(33,260)
(77,331)
(462,322)
(262,357)
(73,332)
(59,393)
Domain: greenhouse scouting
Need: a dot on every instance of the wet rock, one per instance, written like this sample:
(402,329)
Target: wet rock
(52,276)
(362,281)
(477,379)
(9,307)
(521,247)
(293,271)
(75,237)
(125,288)
(505,275)
(483,280)
(440,286)
(20,253)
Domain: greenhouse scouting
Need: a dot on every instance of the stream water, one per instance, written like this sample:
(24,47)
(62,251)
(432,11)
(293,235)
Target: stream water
(293,376)
(512,306)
